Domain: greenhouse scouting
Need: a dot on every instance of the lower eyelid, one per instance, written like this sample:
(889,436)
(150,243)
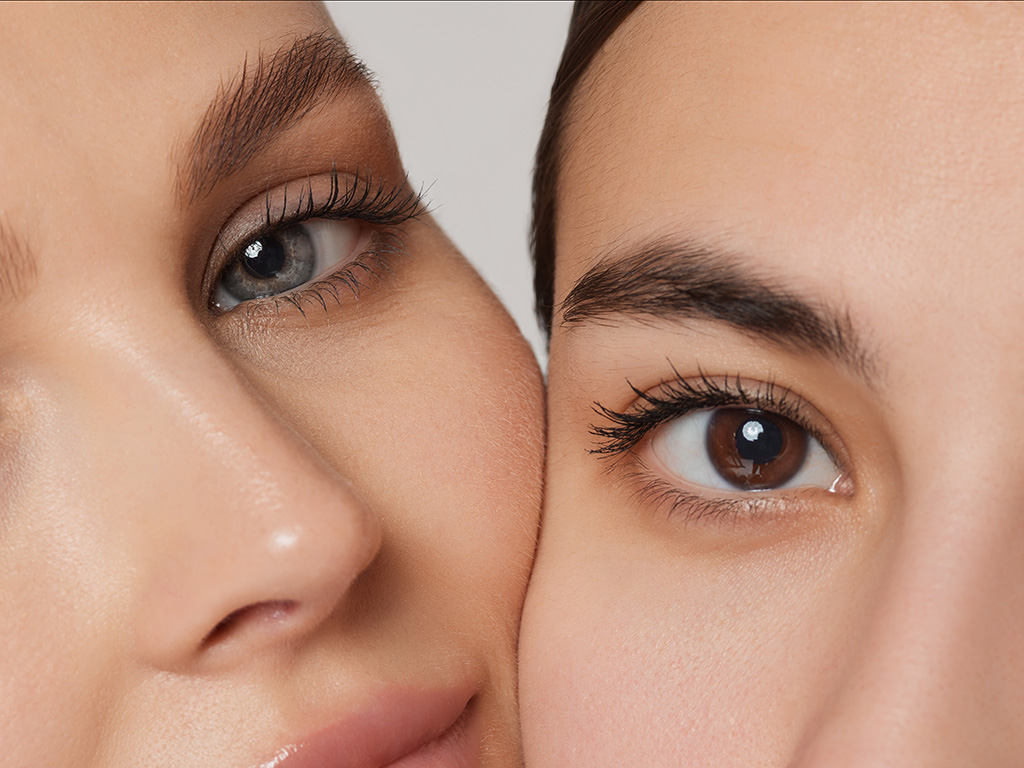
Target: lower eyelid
(626,440)
(375,262)
(656,495)
(331,195)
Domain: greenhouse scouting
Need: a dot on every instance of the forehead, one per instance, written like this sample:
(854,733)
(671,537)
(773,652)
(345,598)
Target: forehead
(100,90)
(77,53)
(838,141)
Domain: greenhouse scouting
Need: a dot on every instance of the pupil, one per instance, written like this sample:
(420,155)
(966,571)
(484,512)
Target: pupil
(264,258)
(759,440)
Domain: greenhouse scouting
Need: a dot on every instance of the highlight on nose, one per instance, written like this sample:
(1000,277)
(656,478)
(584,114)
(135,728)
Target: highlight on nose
(258,540)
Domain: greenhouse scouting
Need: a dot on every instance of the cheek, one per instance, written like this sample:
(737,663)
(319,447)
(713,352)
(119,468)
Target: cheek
(434,410)
(635,653)
(56,675)
(49,675)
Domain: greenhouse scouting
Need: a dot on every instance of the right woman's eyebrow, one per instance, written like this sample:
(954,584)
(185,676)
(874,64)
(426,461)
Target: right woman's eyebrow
(268,97)
(682,281)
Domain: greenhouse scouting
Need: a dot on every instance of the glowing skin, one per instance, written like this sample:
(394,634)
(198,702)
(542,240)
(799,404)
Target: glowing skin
(868,161)
(231,537)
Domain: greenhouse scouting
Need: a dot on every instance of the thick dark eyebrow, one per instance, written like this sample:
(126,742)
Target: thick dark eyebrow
(687,281)
(267,97)
(17,265)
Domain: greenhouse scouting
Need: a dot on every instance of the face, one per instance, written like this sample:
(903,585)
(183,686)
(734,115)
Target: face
(783,524)
(270,449)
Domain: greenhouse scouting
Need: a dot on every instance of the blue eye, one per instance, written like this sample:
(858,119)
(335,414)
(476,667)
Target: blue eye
(286,259)
(743,449)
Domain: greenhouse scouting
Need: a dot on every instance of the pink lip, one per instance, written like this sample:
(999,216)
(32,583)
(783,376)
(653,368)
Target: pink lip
(410,727)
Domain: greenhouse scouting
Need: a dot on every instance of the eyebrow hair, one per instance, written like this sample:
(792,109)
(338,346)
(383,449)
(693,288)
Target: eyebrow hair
(17,264)
(687,280)
(267,97)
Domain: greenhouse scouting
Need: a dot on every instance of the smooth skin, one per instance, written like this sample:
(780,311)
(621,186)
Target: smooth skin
(221,531)
(867,160)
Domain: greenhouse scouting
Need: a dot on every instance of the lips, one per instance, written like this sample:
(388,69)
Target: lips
(397,728)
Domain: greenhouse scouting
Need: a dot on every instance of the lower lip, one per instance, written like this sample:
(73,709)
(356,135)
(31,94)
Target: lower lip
(402,729)
(458,747)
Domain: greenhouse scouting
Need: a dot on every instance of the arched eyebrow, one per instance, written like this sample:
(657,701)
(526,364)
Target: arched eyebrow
(17,265)
(687,281)
(268,96)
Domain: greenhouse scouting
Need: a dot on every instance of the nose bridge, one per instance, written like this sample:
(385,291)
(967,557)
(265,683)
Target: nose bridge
(937,677)
(241,534)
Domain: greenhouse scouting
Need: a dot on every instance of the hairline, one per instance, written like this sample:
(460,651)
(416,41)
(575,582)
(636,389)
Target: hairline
(591,24)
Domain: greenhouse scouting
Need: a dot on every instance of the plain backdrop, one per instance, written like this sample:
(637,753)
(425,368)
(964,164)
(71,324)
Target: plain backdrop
(467,85)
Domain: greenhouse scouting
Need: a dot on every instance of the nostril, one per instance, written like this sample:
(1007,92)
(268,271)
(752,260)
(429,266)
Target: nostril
(264,614)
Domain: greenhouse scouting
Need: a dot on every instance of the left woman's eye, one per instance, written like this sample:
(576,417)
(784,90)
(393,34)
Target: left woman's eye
(743,449)
(285,259)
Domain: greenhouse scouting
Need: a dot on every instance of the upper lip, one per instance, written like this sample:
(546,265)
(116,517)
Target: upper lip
(393,723)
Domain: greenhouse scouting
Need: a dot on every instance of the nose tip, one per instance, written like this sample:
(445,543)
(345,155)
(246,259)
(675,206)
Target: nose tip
(229,536)
(252,543)
(247,580)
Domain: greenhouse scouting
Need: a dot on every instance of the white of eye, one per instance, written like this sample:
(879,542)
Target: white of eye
(682,447)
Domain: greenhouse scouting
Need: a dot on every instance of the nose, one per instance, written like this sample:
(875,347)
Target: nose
(939,675)
(242,539)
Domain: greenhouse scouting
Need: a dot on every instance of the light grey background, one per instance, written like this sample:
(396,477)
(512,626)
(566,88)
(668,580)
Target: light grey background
(466,85)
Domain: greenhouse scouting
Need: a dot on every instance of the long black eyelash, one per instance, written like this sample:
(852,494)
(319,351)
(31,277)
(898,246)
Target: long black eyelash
(679,397)
(365,200)
(350,279)
(622,432)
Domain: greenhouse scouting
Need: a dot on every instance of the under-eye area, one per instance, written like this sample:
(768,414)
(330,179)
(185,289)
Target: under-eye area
(311,244)
(722,446)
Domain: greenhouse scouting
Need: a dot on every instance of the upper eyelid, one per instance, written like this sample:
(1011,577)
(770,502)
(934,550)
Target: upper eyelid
(735,391)
(316,195)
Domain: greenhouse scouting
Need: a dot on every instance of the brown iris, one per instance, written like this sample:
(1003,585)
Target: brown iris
(755,450)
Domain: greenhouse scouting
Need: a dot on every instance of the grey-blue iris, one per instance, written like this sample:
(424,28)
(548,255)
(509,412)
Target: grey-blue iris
(272,265)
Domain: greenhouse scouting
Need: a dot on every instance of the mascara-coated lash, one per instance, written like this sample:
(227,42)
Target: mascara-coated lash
(358,197)
(350,279)
(364,200)
(621,433)
(624,430)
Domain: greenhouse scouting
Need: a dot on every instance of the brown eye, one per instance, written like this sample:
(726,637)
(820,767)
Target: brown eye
(743,449)
(755,450)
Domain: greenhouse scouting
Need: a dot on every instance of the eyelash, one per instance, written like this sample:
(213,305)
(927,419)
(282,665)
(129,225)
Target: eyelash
(677,398)
(362,200)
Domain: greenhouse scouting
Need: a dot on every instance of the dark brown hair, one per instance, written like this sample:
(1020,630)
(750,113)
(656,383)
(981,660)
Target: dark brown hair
(592,22)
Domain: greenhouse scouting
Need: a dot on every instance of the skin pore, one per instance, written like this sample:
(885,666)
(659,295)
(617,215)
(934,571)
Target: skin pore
(245,514)
(811,211)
